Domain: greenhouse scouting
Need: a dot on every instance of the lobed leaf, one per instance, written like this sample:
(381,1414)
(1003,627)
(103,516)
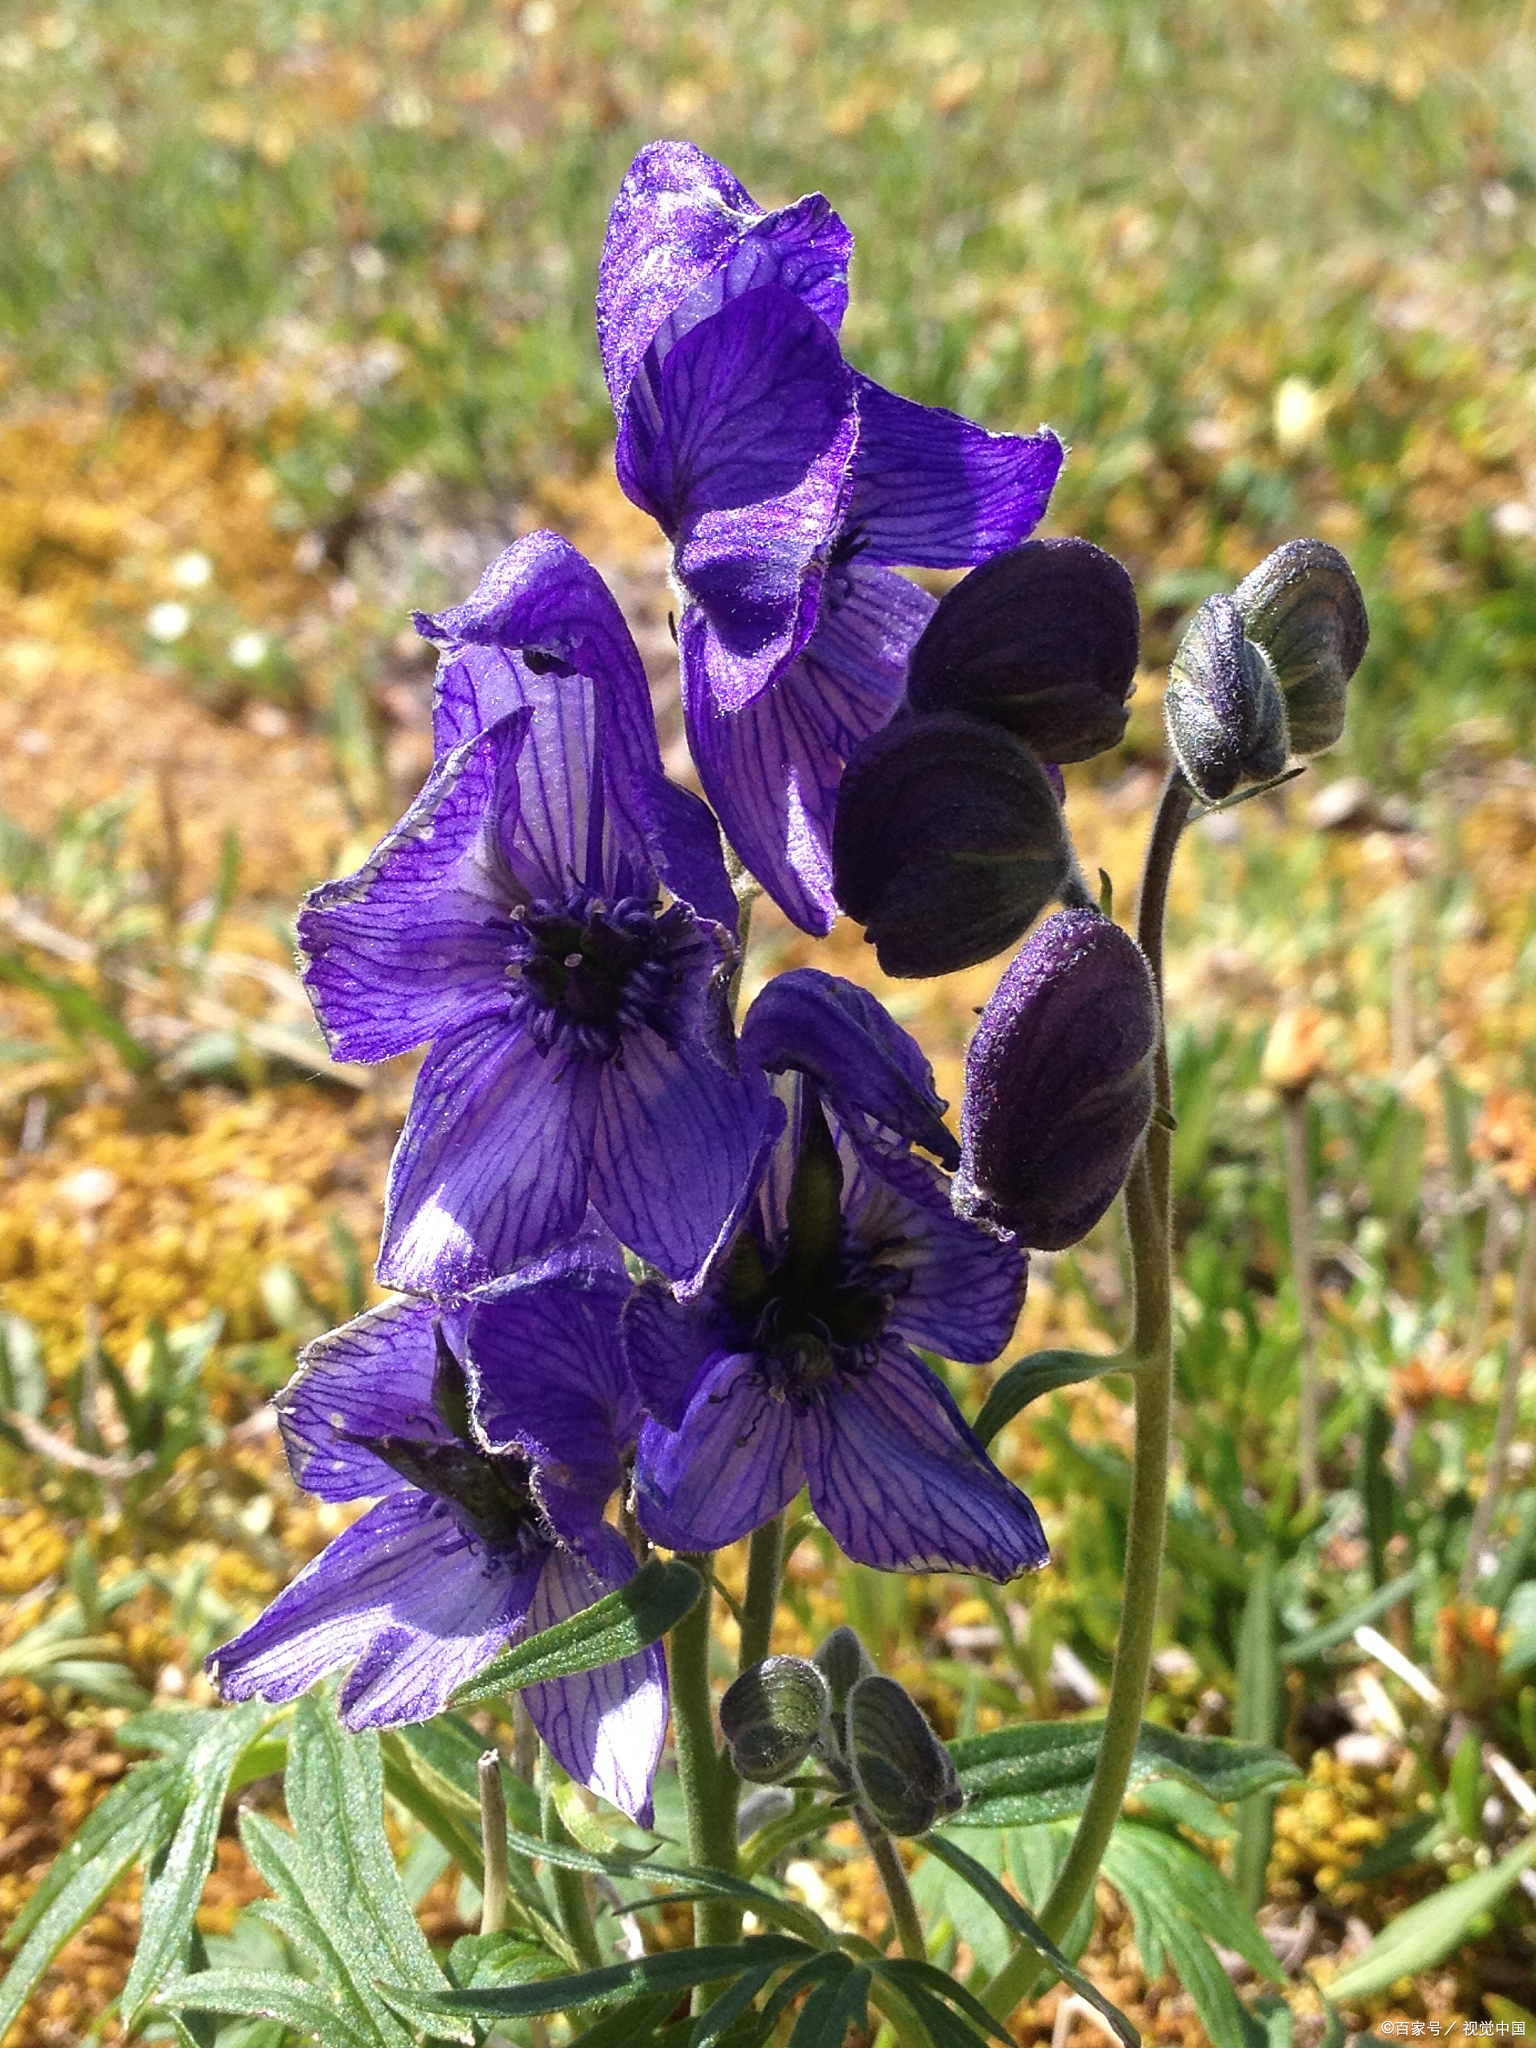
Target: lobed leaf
(670,1970)
(307,2009)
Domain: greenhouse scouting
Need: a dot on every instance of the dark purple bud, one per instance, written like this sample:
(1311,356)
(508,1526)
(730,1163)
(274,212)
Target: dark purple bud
(1303,606)
(1058,1083)
(948,843)
(1041,639)
(1225,715)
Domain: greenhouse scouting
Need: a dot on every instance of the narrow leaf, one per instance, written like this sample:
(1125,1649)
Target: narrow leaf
(1041,1770)
(1028,1928)
(911,1975)
(1419,1938)
(672,1970)
(1300,1648)
(619,1625)
(1042,1372)
(1257,1721)
(262,1994)
(171,1897)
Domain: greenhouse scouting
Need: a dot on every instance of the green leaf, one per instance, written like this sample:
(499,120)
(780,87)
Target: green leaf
(77,1012)
(1419,1938)
(636,2024)
(166,1915)
(733,2001)
(308,2009)
(915,1979)
(619,1625)
(1257,1720)
(838,2002)
(279,1860)
(1520,1617)
(1300,1649)
(1025,1925)
(1042,1372)
(671,1970)
(1404,1845)
(1192,1541)
(334,1791)
(131,1825)
(1041,1770)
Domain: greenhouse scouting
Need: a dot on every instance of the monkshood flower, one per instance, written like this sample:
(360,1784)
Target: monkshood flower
(948,843)
(491,1432)
(789,486)
(1058,1082)
(1223,708)
(1041,640)
(514,922)
(795,1361)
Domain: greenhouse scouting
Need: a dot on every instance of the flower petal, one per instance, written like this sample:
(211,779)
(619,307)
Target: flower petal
(372,1377)
(935,491)
(414,943)
(684,236)
(542,630)
(677,1139)
(547,1378)
(962,1288)
(492,1165)
(407,1590)
(772,768)
(903,1485)
(734,1462)
(666,1344)
(605,1727)
(862,1062)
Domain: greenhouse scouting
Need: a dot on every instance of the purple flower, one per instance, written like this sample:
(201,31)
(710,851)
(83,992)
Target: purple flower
(492,1434)
(1058,1082)
(514,922)
(788,484)
(795,1362)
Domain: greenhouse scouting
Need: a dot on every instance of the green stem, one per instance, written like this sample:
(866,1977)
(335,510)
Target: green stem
(1148,1200)
(573,1909)
(709,1784)
(765,1568)
(893,1876)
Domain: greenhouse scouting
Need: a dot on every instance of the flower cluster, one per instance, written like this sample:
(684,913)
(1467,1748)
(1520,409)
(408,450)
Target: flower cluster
(643,1253)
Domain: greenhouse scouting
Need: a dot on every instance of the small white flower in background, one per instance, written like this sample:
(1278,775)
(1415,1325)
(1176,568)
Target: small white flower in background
(248,650)
(167,622)
(191,572)
(1300,410)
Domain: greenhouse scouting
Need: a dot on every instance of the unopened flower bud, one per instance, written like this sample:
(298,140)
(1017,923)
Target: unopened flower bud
(773,1717)
(842,1661)
(1041,639)
(949,842)
(1303,606)
(905,1775)
(1224,711)
(1058,1082)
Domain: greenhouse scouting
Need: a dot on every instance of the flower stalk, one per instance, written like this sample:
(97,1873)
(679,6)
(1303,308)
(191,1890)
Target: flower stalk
(708,1781)
(1148,1216)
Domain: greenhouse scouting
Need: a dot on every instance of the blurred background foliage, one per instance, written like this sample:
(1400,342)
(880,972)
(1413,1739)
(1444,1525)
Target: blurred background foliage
(296,331)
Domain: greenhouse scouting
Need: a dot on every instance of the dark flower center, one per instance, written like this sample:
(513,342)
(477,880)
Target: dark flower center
(817,1306)
(489,1497)
(585,972)
(837,584)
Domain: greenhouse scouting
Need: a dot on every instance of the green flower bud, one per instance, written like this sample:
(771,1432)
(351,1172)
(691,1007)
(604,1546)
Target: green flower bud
(842,1661)
(905,1775)
(1303,606)
(774,1716)
(1224,711)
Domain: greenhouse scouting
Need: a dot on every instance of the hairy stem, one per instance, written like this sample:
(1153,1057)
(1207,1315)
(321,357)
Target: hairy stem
(1509,1406)
(1148,1201)
(765,1568)
(1298,1196)
(893,1876)
(573,1909)
(709,1784)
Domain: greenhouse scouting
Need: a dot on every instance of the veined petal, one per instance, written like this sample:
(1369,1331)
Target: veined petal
(734,1462)
(405,1590)
(667,1343)
(684,236)
(372,1377)
(605,1727)
(547,1378)
(902,1483)
(492,1165)
(862,1062)
(675,1143)
(935,491)
(543,631)
(735,414)
(414,944)
(962,1287)
(772,767)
